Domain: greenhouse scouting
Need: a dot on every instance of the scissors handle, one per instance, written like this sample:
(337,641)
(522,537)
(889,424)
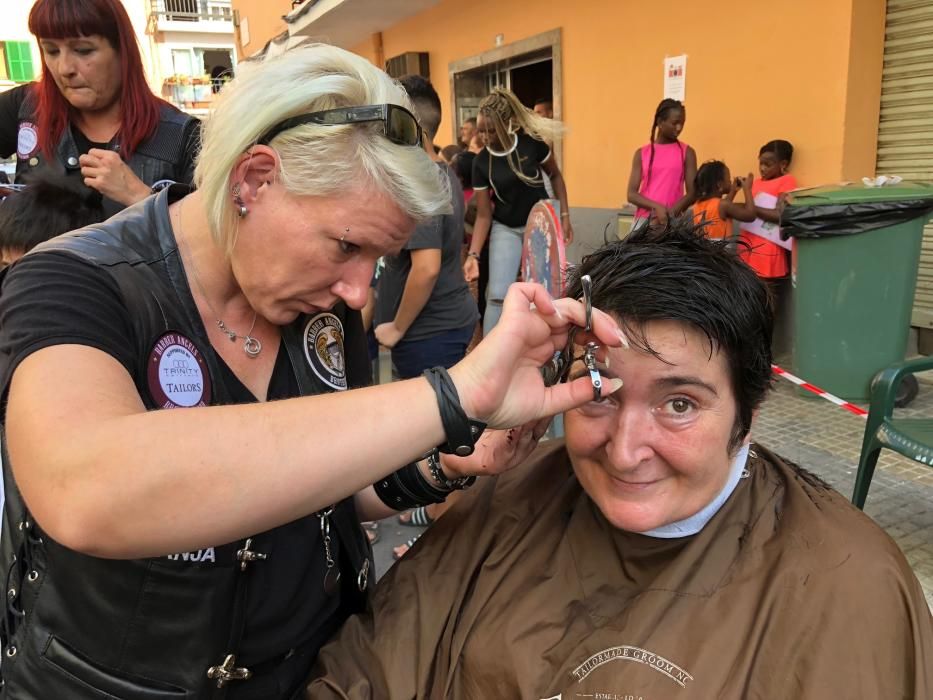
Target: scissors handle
(587,284)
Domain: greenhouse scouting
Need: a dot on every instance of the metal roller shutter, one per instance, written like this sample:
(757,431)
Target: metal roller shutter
(905,132)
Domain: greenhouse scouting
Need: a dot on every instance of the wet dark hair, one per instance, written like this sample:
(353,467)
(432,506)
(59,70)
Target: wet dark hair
(463,167)
(47,207)
(708,179)
(665,107)
(675,273)
(424,99)
(784,150)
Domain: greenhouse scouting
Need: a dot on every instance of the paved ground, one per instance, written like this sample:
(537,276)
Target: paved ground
(826,440)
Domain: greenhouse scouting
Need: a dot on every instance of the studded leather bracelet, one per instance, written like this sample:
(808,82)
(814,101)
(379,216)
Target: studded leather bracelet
(407,488)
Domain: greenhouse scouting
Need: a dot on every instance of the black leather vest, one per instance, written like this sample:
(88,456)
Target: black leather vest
(80,628)
(159,158)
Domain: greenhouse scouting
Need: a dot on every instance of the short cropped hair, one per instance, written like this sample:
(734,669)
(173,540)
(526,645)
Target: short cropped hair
(48,206)
(782,150)
(316,160)
(424,99)
(675,273)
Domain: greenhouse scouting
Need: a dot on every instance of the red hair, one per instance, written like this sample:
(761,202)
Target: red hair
(64,19)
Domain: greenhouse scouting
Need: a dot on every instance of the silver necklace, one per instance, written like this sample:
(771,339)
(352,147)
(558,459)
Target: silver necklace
(251,346)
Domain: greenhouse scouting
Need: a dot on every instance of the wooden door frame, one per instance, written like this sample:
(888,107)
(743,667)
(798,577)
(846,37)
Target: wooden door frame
(550,39)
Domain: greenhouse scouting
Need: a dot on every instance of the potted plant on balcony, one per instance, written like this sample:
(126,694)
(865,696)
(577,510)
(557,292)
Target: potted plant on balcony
(202,90)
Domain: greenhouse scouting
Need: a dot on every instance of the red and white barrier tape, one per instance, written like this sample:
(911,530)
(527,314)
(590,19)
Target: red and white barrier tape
(850,407)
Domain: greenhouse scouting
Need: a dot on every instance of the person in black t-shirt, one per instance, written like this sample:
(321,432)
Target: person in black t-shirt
(508,173)
(92,116)
(425,313)
(191,444)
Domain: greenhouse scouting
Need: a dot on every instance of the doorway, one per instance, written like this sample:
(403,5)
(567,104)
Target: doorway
(531,68)
(218,63)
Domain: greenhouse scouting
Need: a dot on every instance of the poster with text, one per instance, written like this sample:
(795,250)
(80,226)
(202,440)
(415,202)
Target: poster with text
(675,77)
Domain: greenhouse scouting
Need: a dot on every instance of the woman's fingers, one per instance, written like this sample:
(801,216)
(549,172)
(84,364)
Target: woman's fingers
(605,330)
(540,427)
(563,397)
(562,313)
(522,296)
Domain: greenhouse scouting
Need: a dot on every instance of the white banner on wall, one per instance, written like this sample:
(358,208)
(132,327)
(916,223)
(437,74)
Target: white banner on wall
(675,77)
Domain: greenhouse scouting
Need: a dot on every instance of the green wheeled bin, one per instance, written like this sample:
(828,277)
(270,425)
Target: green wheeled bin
(854,272)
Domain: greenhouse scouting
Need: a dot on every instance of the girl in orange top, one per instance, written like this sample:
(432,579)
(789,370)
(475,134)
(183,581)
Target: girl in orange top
(714,208)
(768,259)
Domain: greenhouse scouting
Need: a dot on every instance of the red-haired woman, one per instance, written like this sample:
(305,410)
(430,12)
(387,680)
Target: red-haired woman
(92,115)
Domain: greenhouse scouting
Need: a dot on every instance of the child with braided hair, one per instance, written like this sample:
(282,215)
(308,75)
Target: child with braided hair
(663,171)
(509,171)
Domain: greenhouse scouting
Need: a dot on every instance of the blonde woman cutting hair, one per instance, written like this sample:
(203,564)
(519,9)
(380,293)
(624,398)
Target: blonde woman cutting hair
(218,546)
(508,171)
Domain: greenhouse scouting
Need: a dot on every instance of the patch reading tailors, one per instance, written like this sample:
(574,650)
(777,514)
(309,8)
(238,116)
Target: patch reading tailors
(323,343)
(177,373)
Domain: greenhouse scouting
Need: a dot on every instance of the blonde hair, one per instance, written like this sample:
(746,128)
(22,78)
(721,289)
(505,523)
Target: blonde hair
(315,160)
(508,115)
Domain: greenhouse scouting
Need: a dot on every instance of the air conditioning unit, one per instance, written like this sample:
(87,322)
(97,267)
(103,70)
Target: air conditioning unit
(410,63)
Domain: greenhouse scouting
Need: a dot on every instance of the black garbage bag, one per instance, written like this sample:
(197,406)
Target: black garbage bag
(820,220)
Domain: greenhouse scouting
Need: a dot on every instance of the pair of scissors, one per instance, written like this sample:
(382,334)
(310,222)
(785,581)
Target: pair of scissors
(559,367)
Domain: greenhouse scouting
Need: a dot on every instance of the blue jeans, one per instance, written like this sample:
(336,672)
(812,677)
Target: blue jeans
(505,256)
(411,357)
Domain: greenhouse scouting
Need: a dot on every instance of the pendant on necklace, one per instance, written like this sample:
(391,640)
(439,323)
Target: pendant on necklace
(252,346)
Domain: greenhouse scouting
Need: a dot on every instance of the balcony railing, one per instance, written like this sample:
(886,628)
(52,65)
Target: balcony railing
(191,10)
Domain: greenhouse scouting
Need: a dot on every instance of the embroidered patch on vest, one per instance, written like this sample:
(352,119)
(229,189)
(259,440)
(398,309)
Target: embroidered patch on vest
(27,139)
(323,342)
(160,185)
(177,373)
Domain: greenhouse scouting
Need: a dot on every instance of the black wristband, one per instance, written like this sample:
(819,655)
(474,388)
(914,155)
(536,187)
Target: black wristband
(407,488)
(462,432)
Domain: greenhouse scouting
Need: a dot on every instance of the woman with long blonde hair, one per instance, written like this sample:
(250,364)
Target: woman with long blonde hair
(509,171)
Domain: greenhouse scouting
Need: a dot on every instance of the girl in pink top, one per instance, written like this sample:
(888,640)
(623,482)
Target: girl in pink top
(664,170)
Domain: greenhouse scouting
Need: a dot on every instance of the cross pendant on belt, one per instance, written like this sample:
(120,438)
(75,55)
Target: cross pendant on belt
(228,671)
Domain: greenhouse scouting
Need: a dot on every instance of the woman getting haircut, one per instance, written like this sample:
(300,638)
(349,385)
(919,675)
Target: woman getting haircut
(657,551)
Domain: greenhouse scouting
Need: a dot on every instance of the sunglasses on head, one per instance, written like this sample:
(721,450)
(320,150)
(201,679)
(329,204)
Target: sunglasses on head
(399,125)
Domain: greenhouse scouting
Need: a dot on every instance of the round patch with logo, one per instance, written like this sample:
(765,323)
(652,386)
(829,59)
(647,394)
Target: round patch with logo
(177,373)
(27,140)
(323,338)
(160,185)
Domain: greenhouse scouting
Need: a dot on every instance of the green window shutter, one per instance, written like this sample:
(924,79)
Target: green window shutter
(19,61)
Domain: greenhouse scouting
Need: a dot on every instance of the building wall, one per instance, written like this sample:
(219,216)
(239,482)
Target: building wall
(187,41)
(14,26)
(264,19)
(863,98)
(138,11)
(810,73)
